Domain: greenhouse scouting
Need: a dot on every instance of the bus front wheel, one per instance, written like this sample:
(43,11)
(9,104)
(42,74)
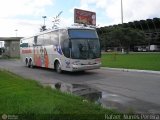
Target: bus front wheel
(58,67)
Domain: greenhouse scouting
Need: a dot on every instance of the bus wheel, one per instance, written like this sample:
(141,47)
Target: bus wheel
(31,64)
(26,62)
(58,67)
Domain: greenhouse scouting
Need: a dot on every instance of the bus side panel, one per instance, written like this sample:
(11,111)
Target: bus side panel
(44,56)
(50,55)
(26,53)
(37,56)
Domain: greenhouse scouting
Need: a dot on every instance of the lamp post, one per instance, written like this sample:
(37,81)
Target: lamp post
(16,32)
(122,11)
(122,19)
(44,17)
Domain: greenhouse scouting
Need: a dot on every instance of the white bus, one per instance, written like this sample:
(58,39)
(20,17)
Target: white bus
(68,49)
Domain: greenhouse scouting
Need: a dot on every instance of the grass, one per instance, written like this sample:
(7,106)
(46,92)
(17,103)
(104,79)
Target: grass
(29,100)
(7,57)
(142,61)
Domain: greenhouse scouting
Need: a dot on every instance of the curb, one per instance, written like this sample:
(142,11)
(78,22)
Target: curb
(132,70)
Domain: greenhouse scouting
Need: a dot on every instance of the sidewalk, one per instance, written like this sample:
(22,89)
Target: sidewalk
(132,70)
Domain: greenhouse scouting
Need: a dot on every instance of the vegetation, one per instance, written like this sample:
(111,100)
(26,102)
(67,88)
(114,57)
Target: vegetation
(7,57)
(127,37)
(124,38)
(148,26)
(43,28)
(29,100)
(143,61)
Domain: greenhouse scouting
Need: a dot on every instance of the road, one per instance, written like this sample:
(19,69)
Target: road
(125,91)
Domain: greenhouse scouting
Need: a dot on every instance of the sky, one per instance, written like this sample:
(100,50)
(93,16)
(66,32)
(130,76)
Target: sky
(25,16)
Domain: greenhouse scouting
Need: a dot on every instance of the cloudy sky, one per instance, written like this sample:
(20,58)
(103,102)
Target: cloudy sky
(26,15)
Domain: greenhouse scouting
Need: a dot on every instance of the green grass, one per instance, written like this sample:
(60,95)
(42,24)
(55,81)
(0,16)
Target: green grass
(142,61)
(6,57)
(29,100)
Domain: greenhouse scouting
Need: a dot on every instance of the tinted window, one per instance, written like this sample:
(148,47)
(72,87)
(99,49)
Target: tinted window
(79,49)
(24,45)
(85,48)
(26,42)
(82,33)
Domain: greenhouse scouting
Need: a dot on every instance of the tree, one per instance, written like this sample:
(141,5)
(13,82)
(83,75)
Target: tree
(43,28)
(121,37)
(106,38)
(127,37)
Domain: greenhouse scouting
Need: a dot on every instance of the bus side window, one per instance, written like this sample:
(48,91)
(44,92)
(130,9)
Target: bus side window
(23,43)
(30,42)
(55,38)
(47,38)
(40,40)
(65,43)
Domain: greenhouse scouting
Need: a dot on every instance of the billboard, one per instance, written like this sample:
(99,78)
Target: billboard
(84,17)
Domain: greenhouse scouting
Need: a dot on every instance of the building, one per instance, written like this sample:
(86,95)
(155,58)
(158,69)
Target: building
(11,46)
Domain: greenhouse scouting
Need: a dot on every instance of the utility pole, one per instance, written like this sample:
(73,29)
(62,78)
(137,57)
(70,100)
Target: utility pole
(122,11)
(44,17)
(122,19)
(43,27)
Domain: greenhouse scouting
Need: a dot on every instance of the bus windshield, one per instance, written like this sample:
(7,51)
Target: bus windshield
(85,44)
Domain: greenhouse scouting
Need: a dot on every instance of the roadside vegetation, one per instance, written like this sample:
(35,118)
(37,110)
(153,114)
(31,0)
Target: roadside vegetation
(121,37)
(29,100)
(7,57)
(142,61)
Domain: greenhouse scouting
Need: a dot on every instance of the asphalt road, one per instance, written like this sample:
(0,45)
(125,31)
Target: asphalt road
(126,91)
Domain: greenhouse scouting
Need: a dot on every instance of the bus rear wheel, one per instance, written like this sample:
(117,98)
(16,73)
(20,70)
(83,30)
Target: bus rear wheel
(27,63)
(58,67)
(31,64)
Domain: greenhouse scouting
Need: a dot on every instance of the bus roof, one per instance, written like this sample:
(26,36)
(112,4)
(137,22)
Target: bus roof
(50,30)
(72,27)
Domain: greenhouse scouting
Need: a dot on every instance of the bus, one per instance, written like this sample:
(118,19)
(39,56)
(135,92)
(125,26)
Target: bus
(62,49)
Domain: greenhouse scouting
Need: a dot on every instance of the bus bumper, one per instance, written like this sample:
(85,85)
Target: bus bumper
(85,67)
